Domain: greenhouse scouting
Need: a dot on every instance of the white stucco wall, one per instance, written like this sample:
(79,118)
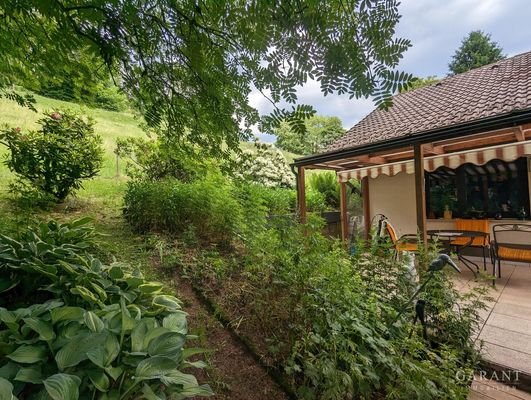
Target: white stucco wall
(394,196)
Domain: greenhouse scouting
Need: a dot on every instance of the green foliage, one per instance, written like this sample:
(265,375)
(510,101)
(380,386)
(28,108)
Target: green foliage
(328,317)
(265,165)
(421,82)
(327,184)
(319,133)
(58,157)
(476,50)
(88,329)
(155,158)
(191,67)
(206,204)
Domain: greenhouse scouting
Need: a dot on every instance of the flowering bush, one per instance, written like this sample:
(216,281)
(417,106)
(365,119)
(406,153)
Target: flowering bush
(265,165)
(56,158)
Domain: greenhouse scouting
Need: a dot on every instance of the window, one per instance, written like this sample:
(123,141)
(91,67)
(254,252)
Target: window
(497,189)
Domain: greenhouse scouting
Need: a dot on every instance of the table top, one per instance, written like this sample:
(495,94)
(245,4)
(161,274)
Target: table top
(452,233)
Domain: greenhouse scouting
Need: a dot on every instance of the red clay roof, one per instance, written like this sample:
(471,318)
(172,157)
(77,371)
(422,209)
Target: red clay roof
(488,91)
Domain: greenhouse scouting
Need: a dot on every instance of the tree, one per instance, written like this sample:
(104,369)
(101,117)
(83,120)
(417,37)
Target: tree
(190,66)
(320,132)
(417,83)
(476,50)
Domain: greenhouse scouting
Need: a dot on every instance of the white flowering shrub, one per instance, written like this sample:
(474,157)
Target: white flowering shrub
(265,165)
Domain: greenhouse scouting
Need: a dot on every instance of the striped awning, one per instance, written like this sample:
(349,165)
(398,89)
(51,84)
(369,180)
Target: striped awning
(507,152)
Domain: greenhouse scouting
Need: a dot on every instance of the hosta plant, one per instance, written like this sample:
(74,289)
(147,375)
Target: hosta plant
(97,331)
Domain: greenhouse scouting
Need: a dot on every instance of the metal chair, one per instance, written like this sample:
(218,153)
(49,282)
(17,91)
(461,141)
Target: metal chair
(512,242)
(480,225)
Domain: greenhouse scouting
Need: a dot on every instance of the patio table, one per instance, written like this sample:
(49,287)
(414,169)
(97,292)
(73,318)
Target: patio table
(448,236)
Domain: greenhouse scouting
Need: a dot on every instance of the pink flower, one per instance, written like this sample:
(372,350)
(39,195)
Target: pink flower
(56,116)
(17,129)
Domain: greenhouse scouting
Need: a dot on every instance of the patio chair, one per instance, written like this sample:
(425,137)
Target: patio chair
(403,243)
(479,225)
(512,242)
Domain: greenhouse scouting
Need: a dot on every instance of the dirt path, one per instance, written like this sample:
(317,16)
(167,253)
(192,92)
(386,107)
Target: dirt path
(235,374)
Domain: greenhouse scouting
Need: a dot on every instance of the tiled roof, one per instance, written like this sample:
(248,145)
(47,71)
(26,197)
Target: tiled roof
(488,91)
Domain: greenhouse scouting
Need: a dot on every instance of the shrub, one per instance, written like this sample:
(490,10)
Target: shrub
(265,165)
(329,318)
(327,184)
(87,329)
(155,159)
(56,158)
(208,205)
(110,98)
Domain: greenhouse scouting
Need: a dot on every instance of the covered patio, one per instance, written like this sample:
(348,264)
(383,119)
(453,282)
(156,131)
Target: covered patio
(456,150)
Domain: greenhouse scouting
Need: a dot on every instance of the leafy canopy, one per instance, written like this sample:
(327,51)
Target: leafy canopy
(476,50)
(320,132)
(191,65)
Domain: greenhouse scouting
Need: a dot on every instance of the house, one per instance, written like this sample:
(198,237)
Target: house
(461,145)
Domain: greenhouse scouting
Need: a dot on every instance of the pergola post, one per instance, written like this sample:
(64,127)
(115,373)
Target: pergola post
(344,210)
(366,206)
(419,192)
(301,194)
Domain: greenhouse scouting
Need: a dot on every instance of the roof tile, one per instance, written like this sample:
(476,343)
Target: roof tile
(483,92)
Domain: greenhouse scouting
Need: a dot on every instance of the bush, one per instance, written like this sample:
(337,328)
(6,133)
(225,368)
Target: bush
(327,184)
(156,159)
(58,157)
(265,165)
(207,205)
(327,317)
(110,98)
(75,328)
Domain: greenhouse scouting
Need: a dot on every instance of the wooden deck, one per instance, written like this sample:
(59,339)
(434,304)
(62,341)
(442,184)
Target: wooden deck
(505,333)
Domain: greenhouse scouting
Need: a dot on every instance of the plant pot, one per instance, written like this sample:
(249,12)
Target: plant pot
(447,214)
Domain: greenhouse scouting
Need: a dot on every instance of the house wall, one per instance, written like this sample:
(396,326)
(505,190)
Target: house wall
(394,196)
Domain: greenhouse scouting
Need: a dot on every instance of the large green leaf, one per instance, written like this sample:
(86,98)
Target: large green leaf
(7,316)
(106,353)
(44,329)
(67,313)
(85,294)
(63,387)
(6,390)
(77,348)
(154,367)
(9,370)
(149,394)
(176,322)
(29,354)
(93,322)
(176,377)
(168,344)
(192,391)
(99,379)
(150,287)
(30,374)
(171,303)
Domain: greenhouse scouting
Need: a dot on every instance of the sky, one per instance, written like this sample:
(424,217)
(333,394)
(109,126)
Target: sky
(436,29)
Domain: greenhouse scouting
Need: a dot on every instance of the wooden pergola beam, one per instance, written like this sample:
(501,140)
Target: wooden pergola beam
(430,148)
(301,194)
(344,210)
(366,206)
(519,133)
(419,192)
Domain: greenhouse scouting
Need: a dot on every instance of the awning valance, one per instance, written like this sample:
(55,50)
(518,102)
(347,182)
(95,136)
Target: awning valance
(507,152)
